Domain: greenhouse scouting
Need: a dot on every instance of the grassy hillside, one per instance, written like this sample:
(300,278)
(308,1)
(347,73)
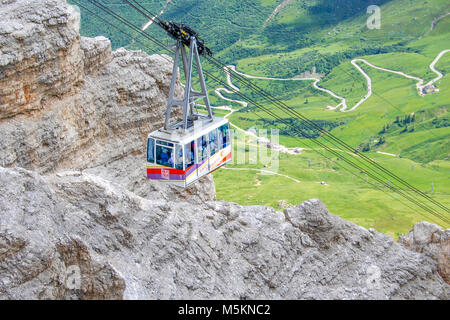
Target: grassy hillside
(344,194)
(327,35)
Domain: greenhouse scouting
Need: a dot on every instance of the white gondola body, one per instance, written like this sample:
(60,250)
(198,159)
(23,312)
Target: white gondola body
(181,157)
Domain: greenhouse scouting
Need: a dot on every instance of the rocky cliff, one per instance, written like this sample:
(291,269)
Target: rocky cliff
(68,102)
(432,241)
(78,219)
(126,246)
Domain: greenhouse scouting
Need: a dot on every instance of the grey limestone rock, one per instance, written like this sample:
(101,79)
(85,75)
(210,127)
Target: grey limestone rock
(165,249)
(433,241)
(79,220)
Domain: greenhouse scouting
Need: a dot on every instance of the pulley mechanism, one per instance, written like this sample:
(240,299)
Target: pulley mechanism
(184,33)
(186,37)
(184,151)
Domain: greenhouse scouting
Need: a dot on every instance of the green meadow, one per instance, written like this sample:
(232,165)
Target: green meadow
(327,35)
(423,149)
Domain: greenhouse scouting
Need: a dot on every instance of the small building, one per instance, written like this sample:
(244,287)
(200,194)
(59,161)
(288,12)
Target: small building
(429,89)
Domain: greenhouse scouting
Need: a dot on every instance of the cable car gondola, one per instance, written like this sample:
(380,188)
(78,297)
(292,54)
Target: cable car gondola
(183,151)
(182,159)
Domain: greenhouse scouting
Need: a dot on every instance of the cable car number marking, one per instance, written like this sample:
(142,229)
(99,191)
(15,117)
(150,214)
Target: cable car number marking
(165,174)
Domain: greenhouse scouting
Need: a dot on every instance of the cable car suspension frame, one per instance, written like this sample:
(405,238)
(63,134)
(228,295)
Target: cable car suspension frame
(190,95)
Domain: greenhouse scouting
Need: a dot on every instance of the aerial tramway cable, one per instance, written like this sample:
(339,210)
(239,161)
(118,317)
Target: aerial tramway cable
(299,116)
(419,204)
(218,81)
(336,141)
(413,200)
(391,187)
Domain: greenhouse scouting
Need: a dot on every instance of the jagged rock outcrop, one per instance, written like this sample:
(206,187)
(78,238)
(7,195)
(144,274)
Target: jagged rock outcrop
(97,54)
(432,241)
(98,110)
(93,107)
(35,262)
(159,249)
(129,173)
(40,54)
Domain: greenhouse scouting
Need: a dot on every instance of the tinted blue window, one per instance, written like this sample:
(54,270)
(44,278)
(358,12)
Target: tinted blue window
(202,145)
(164,143)
(213,146)
(179,157)
(164,156)
(151,150)
(224,136)
(189,152)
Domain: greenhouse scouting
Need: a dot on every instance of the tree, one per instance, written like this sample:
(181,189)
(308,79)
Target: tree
(366,147)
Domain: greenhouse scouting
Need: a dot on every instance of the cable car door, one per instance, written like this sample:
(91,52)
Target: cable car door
(203,155)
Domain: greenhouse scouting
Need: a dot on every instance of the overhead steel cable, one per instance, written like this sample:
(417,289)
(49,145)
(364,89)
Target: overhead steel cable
(327,134)
(260,106)
(318,53)
(299,116)
(325,147)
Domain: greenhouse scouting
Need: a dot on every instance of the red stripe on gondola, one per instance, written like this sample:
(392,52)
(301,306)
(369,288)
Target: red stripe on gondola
(171,171)
(180,172)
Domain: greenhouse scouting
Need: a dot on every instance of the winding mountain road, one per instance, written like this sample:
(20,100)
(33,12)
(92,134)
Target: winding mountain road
(344,107)
(420,86)
(276,11)
(432,67)
(435,22)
